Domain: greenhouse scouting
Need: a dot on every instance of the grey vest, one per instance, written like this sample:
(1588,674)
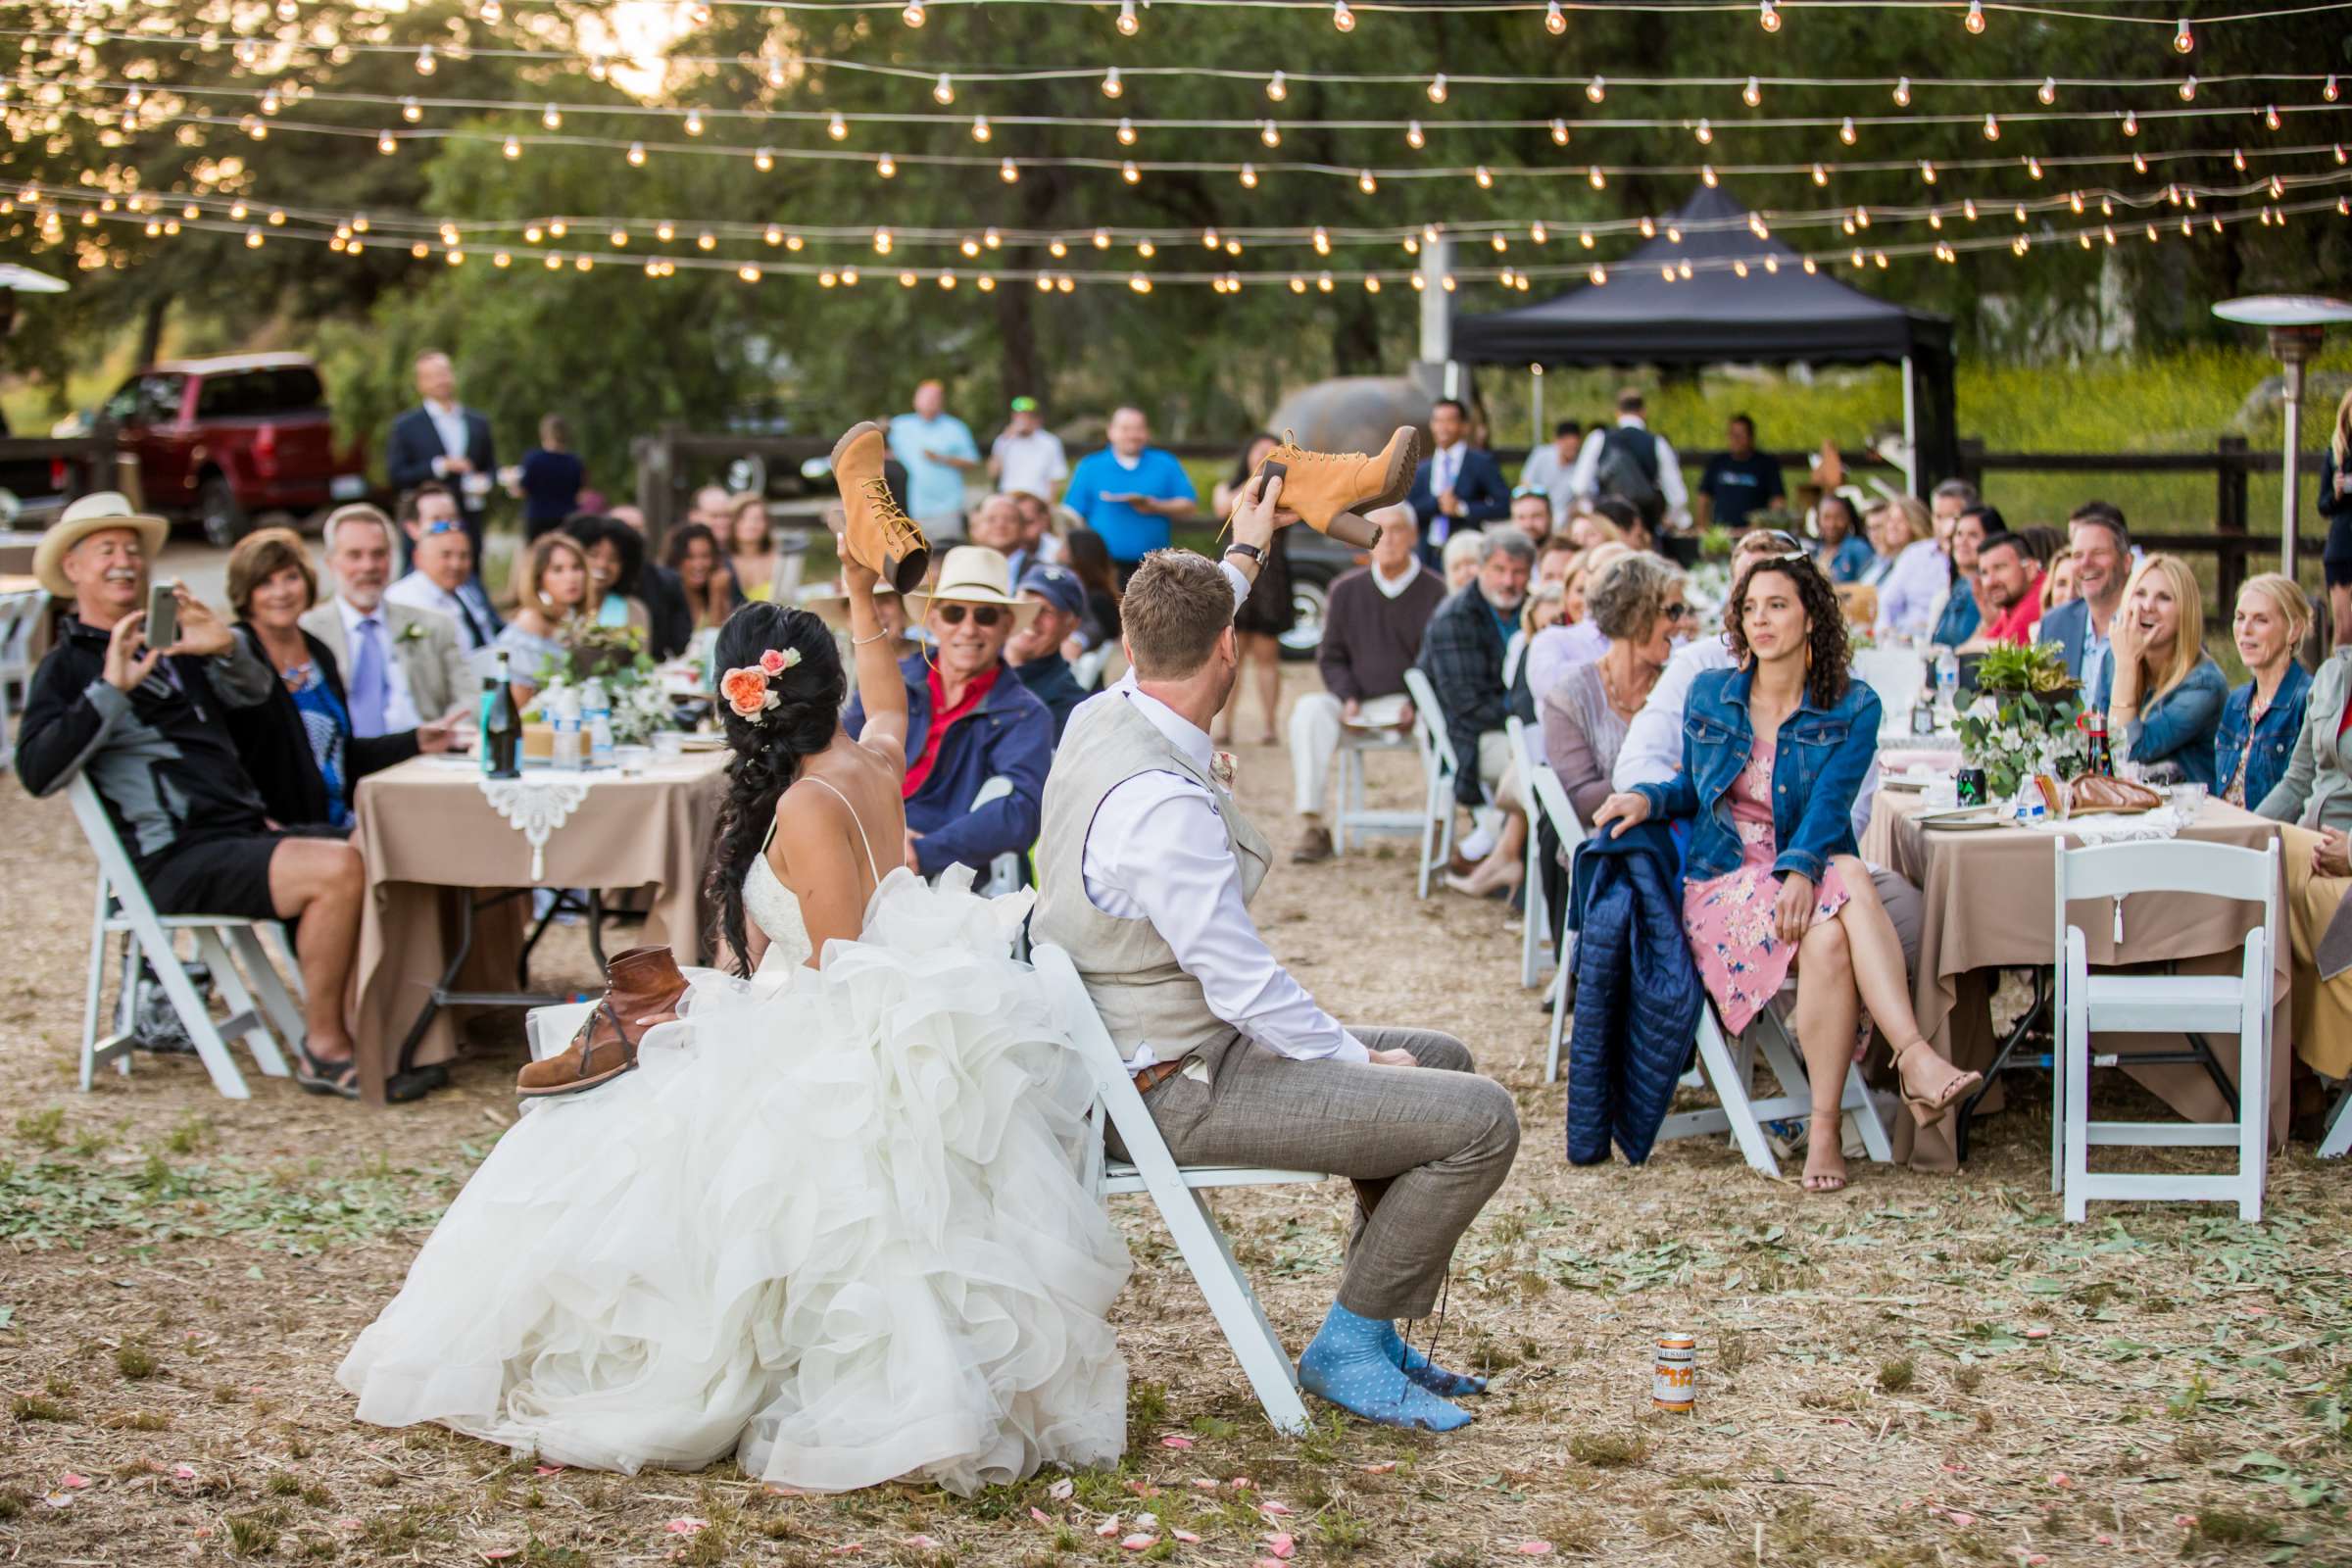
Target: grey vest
(1144,995)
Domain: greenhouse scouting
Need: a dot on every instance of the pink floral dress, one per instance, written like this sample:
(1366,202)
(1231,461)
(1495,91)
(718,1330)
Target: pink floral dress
(1728,918)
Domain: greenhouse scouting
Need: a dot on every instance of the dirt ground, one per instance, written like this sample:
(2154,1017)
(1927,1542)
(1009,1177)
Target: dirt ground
(1919,1371)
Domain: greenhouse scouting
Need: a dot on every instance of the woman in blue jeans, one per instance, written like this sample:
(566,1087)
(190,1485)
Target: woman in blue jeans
(2162,692)
(1773,752)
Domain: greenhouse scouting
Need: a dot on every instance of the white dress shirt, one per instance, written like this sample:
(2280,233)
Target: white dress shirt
(1444,472)
(1403,581)
(1034,462)
(1652,751)
(1157,851)
(1587,481)
(1913,584)
(400,708)
(416,591)
(448,423)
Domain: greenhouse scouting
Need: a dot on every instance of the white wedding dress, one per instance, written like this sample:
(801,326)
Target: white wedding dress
(840,1222)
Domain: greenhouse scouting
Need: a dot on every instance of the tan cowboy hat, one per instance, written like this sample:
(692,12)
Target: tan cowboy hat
(974,574)
(94,513)
(834,608)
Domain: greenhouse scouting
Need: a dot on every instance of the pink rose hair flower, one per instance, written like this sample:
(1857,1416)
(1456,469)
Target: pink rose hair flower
(746,688)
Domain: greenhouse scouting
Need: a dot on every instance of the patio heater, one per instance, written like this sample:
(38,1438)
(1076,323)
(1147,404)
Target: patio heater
(2297,323)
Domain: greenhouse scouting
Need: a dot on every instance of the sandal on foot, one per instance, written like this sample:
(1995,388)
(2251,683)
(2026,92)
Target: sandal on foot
(1928,1110)
(315,1076)
(1823,1181)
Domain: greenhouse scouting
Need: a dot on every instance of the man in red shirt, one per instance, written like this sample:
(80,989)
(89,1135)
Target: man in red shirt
(2012,581)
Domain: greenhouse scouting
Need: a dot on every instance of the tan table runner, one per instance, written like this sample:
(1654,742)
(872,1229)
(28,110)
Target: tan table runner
(1987,899)
(430,837)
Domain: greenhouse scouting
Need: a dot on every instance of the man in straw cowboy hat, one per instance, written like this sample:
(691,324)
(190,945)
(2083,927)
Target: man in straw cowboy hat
(970,719)
(143,724)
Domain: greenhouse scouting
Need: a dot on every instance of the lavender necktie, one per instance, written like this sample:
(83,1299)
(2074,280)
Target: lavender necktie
(370,690)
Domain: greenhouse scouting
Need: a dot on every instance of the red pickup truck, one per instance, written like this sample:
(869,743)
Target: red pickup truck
(225,441)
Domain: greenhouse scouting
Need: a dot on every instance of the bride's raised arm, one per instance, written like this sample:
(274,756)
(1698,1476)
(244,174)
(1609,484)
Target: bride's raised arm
(878,683)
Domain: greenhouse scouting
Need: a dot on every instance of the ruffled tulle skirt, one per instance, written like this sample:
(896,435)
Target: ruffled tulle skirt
(841,1223)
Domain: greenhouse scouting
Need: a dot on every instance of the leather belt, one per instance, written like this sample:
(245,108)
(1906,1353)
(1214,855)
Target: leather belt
(1159,1072)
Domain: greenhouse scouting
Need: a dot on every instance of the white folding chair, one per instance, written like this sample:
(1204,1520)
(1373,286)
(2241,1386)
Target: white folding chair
(1176,1191)
(123,907)
(19,615)
(1535,920)
(1004,872)
(1729,1067)
(1438,767)
(1550,798)
(2337,1142)
(1350,814)
(2170,1003)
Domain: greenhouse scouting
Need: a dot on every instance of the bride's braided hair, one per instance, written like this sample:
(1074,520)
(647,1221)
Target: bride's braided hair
(767,754)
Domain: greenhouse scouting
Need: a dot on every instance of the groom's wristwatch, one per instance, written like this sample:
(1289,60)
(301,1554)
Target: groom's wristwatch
(1251,551)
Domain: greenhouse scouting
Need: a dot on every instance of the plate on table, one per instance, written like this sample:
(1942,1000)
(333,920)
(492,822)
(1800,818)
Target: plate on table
(704,743)
(1914,781)
(1962,819)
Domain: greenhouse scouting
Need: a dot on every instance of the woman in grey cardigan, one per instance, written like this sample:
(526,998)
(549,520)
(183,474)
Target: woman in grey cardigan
(2318,790)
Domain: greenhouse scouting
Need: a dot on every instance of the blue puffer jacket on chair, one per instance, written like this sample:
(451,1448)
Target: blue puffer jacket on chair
(1637,993)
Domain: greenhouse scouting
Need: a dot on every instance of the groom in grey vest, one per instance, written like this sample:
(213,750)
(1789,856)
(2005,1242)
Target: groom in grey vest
(1146,869)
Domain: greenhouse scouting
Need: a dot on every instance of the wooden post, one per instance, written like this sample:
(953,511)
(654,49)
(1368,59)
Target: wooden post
(2229,523)
(652,455)
(1972,462)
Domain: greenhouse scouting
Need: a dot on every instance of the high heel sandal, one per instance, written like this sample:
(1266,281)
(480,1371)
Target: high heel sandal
(1928,1110)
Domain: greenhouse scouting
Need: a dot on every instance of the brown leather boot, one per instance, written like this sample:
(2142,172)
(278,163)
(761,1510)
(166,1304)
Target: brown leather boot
(879,535)
(639,983)
(1332,490)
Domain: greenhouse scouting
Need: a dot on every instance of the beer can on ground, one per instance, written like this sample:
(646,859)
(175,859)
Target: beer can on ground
(1674,1380)
(1972,785)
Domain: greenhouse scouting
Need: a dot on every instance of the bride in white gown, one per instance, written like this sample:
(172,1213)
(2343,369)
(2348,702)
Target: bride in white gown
(839,1220)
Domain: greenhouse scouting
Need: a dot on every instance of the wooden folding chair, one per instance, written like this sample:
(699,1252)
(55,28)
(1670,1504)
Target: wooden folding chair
(123,907)
(1175,1190)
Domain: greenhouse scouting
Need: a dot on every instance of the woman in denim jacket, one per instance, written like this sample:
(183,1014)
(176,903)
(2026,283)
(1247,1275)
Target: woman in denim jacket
(1773,753)
(2263,718)
(2162,692)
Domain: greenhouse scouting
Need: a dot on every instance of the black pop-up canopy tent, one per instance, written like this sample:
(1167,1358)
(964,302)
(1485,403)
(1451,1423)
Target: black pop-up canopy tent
(1639,317)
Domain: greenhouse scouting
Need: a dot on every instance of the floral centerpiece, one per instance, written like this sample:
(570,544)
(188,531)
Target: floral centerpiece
(616,656)
(2025,719)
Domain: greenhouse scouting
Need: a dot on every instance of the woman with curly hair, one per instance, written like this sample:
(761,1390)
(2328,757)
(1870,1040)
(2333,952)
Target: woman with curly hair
(824,1212)
(1773,752)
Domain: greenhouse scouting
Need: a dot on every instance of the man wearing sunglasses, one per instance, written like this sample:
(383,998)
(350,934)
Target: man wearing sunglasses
(441,578)
(1652,751)
(970,721)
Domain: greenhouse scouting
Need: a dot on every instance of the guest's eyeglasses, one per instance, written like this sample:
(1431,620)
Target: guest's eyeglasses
(1676,612)
(1787,542)
(445,526)
(983,616)
(1525,490)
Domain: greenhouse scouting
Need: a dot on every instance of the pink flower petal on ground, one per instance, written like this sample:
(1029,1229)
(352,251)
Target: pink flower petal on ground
(2060,1478)
(1139,1542)
(348,1524)
(59,1499)
(2031,1559)
(547,1469)
(1174,1441)
(1266,1562)
(184,1471)
(72,1482)
(1270,1507)
(1535,1549)
(1205,1485)
(2038,1332)
(501,1554)
(922,1542)
(1187,1536)
(1060,1490)
(2184,1520)
(1281,1545)
(2105,1539)
(1240,1483)
(1147,1521)
(686,1527)
(1142,1488)
(1961,1521)
(1041,1517)
(849,1549)
(1956,1469)
(1108,1527)
(1380,1469)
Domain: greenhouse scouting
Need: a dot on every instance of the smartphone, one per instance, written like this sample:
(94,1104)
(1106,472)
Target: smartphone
(162,617)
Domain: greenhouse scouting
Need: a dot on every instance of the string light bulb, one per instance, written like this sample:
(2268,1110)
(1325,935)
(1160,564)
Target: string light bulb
(385,144)
(1009,171)
(2269,116)
(1437,89)
(1846,131)
(1752,94)
(2047,92)
(1413,137)
(693,121)
(426,60)
(1706,175)
(2184,41)
(763,160)
(636,155)
(1111,85)
(1278,88)
(1973,21)
(943,91)
(1597,89)
(1249,177)
(1556,20)
(836,127)
(1365,182)
(552,118)
(1485,177)
(1768,16)
(410,109)
(2328,90)
(914,16)
(1992,128)
(2130,123)
(511,148)
(1821,174)
(1126,131)
(2188,88)
(1705,132)
(1340,17)
(1269,134)
(1597,179)
(1559,132)
(887,166)
(1129,23)
(1129,173)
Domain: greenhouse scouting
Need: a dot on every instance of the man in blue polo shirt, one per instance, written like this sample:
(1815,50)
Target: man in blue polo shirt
(1740,481)
(937,450)
(1129,490)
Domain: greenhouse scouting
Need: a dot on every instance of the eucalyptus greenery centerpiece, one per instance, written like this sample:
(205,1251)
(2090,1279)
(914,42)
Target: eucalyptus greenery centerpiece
(616,656)
(2025,718)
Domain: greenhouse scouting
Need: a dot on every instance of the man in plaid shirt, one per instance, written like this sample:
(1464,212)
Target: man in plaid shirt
(1463,654)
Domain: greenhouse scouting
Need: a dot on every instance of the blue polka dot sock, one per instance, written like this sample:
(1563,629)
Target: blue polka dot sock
(1348,1364)
(1422,1370)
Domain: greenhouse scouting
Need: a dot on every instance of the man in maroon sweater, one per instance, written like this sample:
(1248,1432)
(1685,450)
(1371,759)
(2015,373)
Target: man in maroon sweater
(1371,635)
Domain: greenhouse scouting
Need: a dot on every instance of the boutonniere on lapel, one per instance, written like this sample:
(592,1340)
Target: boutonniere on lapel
(1220,768)
(412,632)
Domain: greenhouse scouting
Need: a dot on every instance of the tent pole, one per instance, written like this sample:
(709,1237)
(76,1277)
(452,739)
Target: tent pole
(1437,305)
(1910,432)
(1535,417)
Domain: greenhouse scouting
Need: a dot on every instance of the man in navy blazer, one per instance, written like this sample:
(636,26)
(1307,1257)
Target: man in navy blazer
(1457,485)
(443,439)
(2102,547)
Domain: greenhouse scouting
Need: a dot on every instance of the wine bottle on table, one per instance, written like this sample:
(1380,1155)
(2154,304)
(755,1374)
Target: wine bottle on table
(2102,759)
(502,726)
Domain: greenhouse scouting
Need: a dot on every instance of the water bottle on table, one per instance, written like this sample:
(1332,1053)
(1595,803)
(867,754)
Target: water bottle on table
(1948,687)
(596,719)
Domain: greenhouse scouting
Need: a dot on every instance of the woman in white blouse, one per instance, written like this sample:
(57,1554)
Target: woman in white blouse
(1911,575)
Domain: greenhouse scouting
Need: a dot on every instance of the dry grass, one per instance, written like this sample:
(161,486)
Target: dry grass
(1919,1371)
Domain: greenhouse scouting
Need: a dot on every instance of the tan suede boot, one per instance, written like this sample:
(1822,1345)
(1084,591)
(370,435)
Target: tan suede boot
(879,535)
(640,983)
(1332,490)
